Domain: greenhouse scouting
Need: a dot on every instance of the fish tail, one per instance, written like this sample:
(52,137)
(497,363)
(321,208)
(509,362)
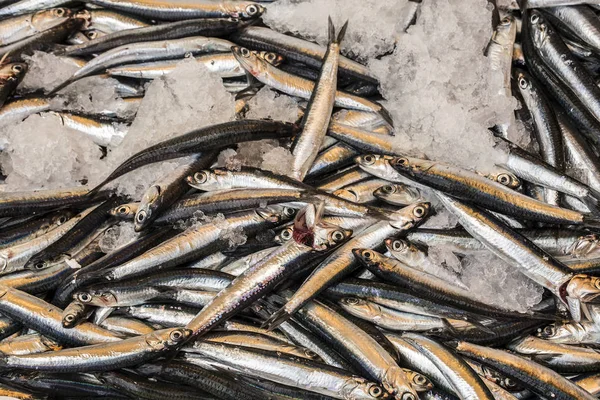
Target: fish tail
(342,33)
(276,319)
(385,114)
(591,221)
(331,30)
(61,86)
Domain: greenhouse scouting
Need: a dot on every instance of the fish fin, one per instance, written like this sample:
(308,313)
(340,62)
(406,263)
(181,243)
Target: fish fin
(342,33)
(276,319)
(331,30)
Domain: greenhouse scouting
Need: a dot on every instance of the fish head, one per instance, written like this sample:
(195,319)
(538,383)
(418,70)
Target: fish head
(327,236)
(245,10)
(584,246)
(419,382)
(507,179)
(204,180)
(356,388)
(97,297)
(12,72)
(367,256)
(396,383)
(410,216)
(356,306)
(251,62)
(168,338)
(284,235)
(410,166)
(72,313)
(585,288)
(559,332)
(539,28)
(39,263)
(404,251)
(47,19)
(277,213)
(150,201)
(125,212)
(270,57)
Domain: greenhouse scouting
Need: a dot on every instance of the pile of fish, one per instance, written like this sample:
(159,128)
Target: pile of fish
(243,283)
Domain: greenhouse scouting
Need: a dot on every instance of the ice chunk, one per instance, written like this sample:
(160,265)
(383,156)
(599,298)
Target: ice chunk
(47,71)
(493,281)
(278,160)
(188,98)
(440,88)
(42,153)
(373,29)
(229,159)
(270,104)
(117,236)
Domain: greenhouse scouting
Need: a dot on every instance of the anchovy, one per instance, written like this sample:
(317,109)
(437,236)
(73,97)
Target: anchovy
(33,228)
(470,186)
(331,159)
(197,141)
(584,332)
(148,51)
(465,382)
(342,262)
(47,319)
(539,379)
(290,371)
(317,237)
(100,357)
(560,357)
(501,47)
(11,75)
(363,140)
(343,178)
(306,144)
(398,194)
(110,21)
(361,192)
(17,110)
(579,20)
(296,49)
(197,9)
(259,341)
(300,87)
(165,191)
(29,6)
(21,27)
(28,344)
(162,315)
(126,326)
(102,132)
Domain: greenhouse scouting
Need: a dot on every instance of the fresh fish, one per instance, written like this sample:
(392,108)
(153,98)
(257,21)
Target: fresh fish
(341,263)
(541,380)
(259,341)
(21,27)
(584,332)
(398,194)
(300,87)
(306,144)
(29,6)
(470,186)
(362,192)
(11,75)
(331,159)
(197,9)
(343,178)
(501,47)
(17,110)
(312,237)
(101,357)
(581,21)
(28,344)
(108,21)
(290,371)
(126,326)
(102,132)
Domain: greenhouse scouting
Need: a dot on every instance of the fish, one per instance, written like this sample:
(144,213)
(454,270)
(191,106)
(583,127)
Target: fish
(24,26)
(316,119)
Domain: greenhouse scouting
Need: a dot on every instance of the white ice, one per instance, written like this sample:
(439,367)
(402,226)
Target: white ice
(117,236)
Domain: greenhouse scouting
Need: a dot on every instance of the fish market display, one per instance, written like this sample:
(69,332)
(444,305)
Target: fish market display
(317,199)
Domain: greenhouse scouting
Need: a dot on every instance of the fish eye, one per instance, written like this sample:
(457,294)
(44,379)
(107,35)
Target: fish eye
(176,336)
(597,283)
(535,19)
(288,211)
(369,159)
(549,330)
(40,265)
(352,301)
(389,189)
(251,10)
(523,84)
(17,68)
(509,383)
(287,234)
(141,216)
(375,391)
(402,161)
(84,297)
(310,353)
(368,255)
(62,220)
(200,177)
(122,210)
(397,245)
(270,57)
(505,21)
(420,380)
(419,211)
(408,396)
(504,179)
(59,12)
(337,236)
(245,52)
(92,35)
(70,318)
